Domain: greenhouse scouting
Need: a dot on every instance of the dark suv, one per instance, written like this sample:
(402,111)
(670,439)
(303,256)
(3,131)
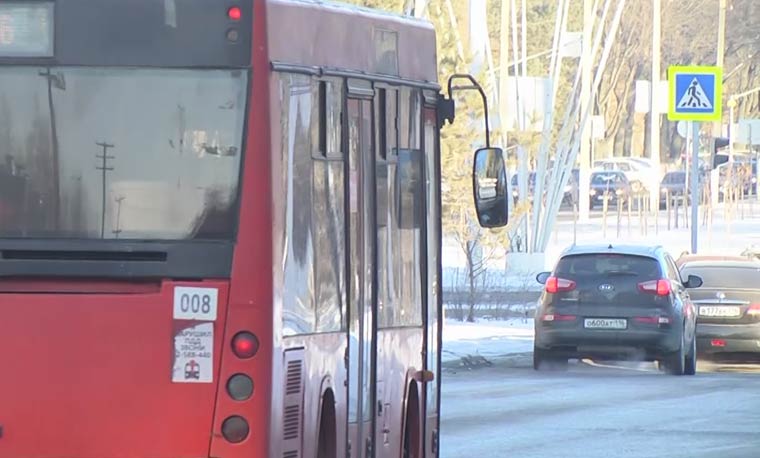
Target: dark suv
(616,302)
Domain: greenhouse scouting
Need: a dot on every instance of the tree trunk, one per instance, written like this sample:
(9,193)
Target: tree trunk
(471,278)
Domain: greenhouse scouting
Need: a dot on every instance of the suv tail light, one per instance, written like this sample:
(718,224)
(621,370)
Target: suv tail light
(659,287)
(754,310)
(652,319)
(556,317)
(559,285)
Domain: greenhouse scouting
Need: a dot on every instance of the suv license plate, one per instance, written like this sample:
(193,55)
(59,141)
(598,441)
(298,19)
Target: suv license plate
(605,323)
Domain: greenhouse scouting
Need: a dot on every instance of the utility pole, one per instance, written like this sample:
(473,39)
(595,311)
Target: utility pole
(717,127)
(654,119)
(51,78)
(105,169)
(504,68)
(524,37)
(117,231)
(585,146)
(721,33)
(719,58)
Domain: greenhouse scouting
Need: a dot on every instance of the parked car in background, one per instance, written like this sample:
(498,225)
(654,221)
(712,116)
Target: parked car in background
(638,174)
(674,185)
(612,184)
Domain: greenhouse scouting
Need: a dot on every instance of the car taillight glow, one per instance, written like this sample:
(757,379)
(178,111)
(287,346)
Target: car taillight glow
(245,345)
(659,287)
(559,285)
(557,317)
(718,343)
(652,319)
(754,310)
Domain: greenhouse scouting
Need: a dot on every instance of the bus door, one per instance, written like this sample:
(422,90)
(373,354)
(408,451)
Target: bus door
(360,202)
(433,325)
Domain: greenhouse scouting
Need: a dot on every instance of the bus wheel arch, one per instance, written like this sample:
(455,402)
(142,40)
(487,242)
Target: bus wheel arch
(327,439)
(412,427)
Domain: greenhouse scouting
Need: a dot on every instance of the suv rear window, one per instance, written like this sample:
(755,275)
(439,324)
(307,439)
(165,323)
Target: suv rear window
(601,264)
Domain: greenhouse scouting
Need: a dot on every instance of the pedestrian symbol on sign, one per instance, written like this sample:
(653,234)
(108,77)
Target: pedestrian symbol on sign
(695,97)
(192,370)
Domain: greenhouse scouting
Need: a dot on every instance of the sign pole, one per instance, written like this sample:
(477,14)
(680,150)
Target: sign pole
(694,185)
(696,94)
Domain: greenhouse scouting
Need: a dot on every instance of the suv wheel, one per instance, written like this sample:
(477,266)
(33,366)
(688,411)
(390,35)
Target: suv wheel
(691,358)
(546,360)
(676,361)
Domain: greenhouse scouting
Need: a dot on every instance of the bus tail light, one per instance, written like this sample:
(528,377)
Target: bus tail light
(245,345)
(240,387)
(234,13)
(235,429)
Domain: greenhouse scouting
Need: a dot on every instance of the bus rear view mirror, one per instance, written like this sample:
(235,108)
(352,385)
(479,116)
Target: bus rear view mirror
(489,181)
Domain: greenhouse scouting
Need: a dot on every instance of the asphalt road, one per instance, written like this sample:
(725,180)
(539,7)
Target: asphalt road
(611,411)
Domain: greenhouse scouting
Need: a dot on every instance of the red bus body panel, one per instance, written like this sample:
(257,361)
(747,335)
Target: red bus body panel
(87,366)
(250,305)
(90,375)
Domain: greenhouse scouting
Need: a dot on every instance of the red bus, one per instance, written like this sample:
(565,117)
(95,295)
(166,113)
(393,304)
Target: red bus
(220,233)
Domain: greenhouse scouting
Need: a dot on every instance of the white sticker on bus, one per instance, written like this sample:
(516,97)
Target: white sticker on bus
(194,355)
(195,303)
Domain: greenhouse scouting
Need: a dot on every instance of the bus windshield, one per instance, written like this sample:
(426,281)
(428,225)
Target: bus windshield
(127,153)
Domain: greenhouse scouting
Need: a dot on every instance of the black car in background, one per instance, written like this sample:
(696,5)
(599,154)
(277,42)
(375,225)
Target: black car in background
(728,306)
(673,185)
(616,302)
(613,184)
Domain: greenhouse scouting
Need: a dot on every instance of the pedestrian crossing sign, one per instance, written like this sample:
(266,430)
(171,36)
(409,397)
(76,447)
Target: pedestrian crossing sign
(695,93)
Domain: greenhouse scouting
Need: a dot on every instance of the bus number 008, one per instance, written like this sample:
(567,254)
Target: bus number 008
(195,303)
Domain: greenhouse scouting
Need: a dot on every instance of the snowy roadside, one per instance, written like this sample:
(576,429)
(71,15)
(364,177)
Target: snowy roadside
(478,344)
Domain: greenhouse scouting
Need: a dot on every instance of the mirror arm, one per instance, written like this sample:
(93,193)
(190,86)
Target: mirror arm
(474,85)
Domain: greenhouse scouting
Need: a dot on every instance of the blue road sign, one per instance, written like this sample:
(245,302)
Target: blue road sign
(695,93)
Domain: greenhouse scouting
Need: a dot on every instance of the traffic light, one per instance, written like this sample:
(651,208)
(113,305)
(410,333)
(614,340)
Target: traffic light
(716,157)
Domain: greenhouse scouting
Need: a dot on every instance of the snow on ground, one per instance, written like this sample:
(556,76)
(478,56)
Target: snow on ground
(491,338)
(728,233)
(486,338)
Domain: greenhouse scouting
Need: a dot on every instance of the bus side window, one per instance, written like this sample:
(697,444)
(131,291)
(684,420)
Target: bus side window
(314,272)
(327,212)
(330,107)
(297,114)
(409,205)
(385,125)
